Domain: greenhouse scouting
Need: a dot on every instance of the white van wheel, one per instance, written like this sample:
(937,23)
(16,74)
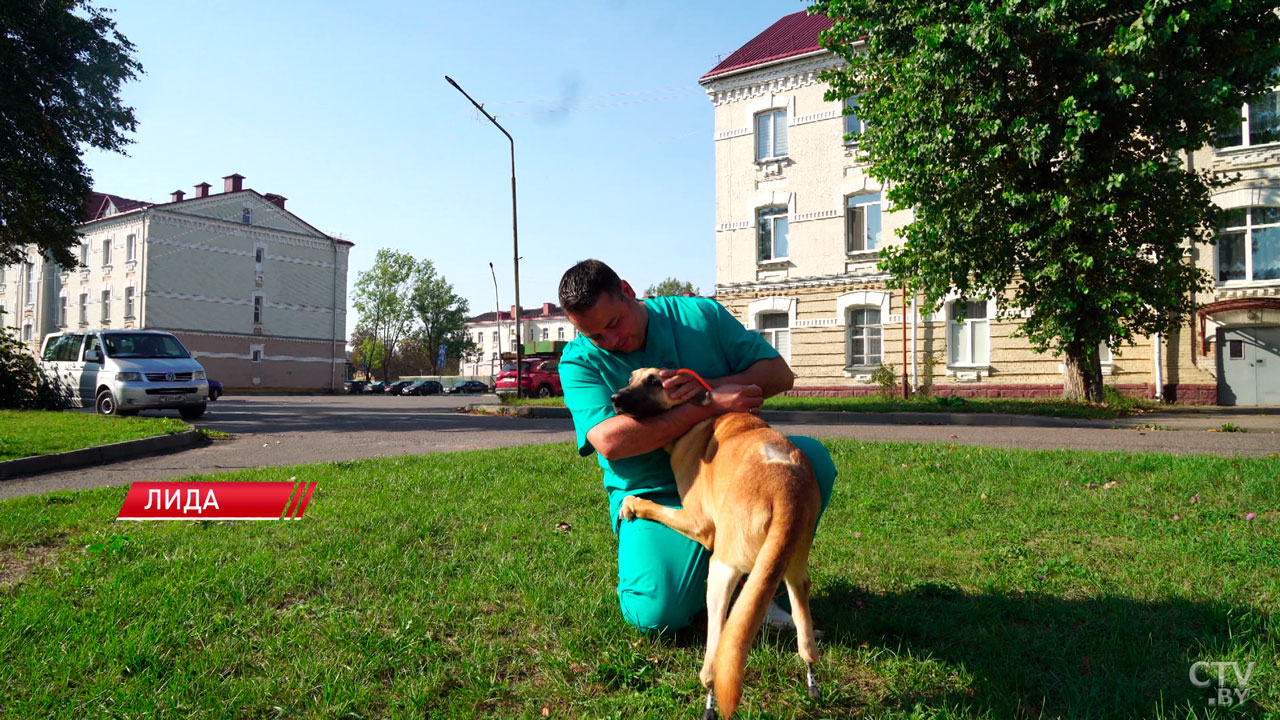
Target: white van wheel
(106,404)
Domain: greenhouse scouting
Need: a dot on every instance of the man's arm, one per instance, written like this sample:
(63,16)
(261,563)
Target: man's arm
(771,375)
(622,436)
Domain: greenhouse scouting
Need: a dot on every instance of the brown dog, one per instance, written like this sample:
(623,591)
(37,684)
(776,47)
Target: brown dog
(750,497)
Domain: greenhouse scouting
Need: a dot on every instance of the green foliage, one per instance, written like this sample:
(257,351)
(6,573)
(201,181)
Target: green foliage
(883,376)
(1037,143)
(22,385)
(443,314)
(671,287)
(407,309)
(383,297)
(62,64)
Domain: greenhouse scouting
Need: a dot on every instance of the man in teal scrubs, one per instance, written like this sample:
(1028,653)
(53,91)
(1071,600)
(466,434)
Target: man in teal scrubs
(661,573)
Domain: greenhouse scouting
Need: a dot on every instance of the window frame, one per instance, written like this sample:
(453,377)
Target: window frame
(131,248)
(770,214)
(777,118)
(1247,230)
(259,307)
(854,208)
(971,326)
(105,301)
(1246,124)
(106,253)
(771,334)
(852,137)
(129,295)
(851,328)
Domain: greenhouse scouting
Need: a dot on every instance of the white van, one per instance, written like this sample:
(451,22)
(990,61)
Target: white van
(120,372)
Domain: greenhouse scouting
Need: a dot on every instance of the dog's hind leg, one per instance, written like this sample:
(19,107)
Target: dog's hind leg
(798,586)
(721,579)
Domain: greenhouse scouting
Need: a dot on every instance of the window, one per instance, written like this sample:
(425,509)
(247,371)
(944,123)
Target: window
(246,216)
(560,333)
(1257,124)
(62,311)
(775,329)
(495,337)
(968,334)
(128,302)
(1249,244)
(255,355)
(131,248)
(862,223)
(771,135)
(26,332)
(865,347)
(84,308)
(257,309)
(258,254)
(106,253)
(546,333)
(771,232)
(854,126)
(84,254)
(29,269)
(106,306)
(1,274)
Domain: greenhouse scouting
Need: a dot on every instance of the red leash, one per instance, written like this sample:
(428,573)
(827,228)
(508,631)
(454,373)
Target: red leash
(706,398)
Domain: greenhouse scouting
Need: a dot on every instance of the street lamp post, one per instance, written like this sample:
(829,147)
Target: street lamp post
(515,241)
(497,318)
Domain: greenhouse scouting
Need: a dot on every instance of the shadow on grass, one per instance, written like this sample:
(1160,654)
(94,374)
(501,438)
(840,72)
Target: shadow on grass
(1044,656)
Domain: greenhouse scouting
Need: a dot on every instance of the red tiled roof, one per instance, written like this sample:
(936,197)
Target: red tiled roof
(794,34)
(95,206)
(525,314)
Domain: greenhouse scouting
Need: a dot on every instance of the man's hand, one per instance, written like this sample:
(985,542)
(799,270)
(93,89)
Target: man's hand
(680,387)
(736,398)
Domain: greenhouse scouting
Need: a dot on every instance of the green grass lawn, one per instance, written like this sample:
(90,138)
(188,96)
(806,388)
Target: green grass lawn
(951,582)
(39,432)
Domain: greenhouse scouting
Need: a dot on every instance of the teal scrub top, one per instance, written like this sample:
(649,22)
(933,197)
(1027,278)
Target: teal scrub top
(694,333)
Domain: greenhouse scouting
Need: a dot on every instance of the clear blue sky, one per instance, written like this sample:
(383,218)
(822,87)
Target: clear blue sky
(344,110)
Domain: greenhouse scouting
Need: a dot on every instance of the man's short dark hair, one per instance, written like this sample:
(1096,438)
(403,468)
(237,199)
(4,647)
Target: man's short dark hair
(584,283)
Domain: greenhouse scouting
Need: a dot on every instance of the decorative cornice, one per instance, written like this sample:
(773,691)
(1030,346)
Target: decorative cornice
(780,78)
(803,283)
(256,232)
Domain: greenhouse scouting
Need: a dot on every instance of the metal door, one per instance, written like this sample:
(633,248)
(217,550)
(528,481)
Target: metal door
(1249,366)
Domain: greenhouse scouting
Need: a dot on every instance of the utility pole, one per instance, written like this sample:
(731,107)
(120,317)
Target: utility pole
(515,241)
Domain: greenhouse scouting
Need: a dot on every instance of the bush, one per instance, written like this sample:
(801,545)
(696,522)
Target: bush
(884,377)
(22,384)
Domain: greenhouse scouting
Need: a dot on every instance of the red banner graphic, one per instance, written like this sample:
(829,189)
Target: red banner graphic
(216,501)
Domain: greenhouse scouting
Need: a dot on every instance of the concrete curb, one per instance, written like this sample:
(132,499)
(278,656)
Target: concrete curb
(99,455)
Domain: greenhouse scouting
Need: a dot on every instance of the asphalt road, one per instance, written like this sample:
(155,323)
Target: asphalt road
(292,430)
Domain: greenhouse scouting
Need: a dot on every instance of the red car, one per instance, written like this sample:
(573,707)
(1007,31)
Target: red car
(540,378)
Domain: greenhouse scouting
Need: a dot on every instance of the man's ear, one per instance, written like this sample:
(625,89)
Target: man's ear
(627,291)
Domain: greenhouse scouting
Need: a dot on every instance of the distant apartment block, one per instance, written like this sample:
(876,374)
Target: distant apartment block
(257,294)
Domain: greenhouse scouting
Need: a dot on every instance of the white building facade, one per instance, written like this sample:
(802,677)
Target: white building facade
(255,293)
(800,224)
(494,335)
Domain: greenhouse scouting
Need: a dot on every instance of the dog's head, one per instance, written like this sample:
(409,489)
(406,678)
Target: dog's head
(643,396)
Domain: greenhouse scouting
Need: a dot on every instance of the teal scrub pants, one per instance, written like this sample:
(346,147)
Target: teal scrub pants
(662,575)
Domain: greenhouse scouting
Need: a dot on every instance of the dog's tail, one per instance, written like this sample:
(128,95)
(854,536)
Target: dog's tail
(785,531)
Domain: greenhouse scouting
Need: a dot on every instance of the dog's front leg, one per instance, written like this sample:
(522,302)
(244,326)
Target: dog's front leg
(686,523)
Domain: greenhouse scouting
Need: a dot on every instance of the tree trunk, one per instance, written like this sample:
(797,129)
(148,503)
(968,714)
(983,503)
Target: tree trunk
(1082,375)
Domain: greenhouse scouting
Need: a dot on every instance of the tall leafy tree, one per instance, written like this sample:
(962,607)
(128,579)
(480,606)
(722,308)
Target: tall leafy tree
(442,314)
(1039,145)
(671,286)
(383,296)
(62,63)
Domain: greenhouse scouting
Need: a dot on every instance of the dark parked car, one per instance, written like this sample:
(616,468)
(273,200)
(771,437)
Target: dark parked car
(397,387)
(377,387)
(354,387)
(423,387)
(215,390)
(468,386)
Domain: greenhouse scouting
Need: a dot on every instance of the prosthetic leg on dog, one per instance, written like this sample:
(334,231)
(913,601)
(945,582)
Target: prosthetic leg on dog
(750,497)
